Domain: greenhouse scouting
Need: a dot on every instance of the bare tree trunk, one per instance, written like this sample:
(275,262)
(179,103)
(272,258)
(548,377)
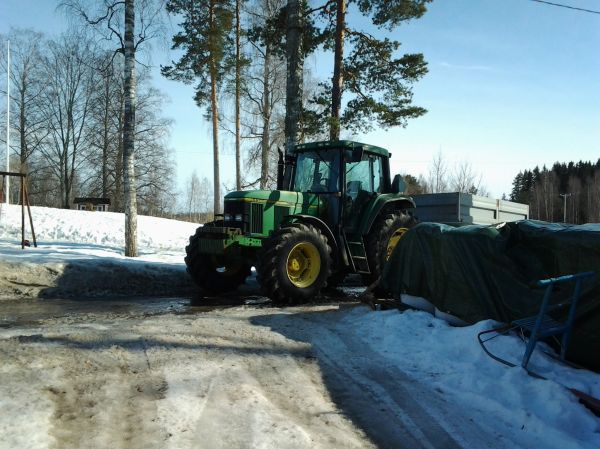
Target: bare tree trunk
(71,177)
(215,125)
(266,134)
(129,134)
(295,68)
(215,121)
(338,66)
(105,134)
(65,161)
(118,189)
(238,75)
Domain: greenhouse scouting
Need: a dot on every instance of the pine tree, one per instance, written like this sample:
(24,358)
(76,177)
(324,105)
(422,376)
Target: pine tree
(238,85)
(380,84)
(517,189)
(206,39)
(540,188)
(294,52)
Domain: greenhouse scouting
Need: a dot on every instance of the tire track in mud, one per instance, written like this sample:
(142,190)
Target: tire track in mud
(395,410)
(305,400)
(250,387)
(105,397)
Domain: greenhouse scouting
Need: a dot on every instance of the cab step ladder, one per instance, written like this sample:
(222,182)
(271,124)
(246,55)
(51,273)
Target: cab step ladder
(358,255)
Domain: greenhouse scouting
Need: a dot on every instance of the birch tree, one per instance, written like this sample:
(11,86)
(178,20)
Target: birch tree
(116,20)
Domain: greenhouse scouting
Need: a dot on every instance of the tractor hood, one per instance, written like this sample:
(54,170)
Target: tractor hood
(297,202)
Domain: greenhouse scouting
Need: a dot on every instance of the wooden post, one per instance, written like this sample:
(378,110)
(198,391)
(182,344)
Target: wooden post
(30,218)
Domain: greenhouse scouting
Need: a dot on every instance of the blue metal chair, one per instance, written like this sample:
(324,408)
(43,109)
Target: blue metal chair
(542,325)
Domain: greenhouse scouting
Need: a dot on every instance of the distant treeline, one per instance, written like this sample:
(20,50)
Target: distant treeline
(545,189)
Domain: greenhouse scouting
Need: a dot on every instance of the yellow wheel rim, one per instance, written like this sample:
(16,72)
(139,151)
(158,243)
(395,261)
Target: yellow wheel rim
(303,264)
(393,241)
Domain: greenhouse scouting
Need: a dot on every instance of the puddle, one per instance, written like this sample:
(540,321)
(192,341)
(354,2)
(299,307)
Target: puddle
(32,311)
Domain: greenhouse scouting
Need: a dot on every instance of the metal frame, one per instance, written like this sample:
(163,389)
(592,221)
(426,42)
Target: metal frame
(542,325)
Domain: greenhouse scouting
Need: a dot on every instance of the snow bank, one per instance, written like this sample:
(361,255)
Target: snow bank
(543,412)
(105,229)
(81,253)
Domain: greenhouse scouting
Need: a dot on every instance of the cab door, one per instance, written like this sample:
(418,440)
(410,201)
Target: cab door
(363,182)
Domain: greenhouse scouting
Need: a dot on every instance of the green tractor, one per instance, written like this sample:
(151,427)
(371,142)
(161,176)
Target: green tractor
(335,211)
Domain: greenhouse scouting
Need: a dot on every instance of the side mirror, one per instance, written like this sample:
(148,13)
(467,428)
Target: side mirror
(398,184)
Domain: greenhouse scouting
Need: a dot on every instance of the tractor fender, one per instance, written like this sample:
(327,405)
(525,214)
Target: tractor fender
(382,202)
(319,224)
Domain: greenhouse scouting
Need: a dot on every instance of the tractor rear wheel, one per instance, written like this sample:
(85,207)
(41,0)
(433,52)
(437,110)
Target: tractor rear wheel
(214,273)
(294,264)
(381,241)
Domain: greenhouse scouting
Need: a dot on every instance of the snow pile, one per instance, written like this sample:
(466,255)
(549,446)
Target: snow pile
(106,229)
(449,359)
(82,253)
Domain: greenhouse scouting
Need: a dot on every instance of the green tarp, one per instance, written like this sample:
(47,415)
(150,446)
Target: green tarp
(487,272)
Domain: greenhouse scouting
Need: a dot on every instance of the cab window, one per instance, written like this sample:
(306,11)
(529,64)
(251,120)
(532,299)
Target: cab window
(317,171)
(364,174)
(377,174)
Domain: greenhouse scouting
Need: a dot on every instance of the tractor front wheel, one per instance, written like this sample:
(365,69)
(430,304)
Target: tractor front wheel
(294,264)
(214,273)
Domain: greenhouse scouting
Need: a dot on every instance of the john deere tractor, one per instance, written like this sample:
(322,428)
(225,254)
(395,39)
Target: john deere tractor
(335,211)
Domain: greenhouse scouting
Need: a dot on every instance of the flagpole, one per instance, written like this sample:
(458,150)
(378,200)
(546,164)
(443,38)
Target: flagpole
(7,122)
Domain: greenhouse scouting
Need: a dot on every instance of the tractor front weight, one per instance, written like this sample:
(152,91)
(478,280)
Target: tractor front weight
(225,241)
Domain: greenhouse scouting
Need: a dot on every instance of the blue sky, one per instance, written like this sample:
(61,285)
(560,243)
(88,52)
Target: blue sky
(511,84)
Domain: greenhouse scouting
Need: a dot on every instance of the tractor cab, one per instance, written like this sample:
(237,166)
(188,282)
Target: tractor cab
(347,175)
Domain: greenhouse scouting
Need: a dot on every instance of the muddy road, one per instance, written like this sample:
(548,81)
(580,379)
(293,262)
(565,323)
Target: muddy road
(158,373)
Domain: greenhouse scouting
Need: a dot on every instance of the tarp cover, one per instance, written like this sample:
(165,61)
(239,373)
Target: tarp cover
(482,272)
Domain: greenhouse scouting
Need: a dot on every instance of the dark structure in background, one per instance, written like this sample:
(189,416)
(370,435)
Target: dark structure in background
(92,204)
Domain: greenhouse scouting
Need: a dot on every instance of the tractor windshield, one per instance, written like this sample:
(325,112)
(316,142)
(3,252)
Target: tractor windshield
(317,171)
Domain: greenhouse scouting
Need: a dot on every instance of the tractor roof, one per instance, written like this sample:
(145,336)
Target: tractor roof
(345,144)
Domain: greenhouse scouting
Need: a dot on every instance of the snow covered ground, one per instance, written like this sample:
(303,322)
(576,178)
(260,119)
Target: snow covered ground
(82,253)
(246,376)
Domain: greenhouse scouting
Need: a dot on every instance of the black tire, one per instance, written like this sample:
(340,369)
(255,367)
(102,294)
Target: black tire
(272,270)
(214,274)
(377,245)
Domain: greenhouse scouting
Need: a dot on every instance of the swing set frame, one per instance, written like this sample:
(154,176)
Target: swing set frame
(24,199)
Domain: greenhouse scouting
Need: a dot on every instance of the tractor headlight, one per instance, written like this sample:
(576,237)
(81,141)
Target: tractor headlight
(227,217)
(238,217)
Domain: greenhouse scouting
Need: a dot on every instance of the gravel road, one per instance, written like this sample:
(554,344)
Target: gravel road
(158,373)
